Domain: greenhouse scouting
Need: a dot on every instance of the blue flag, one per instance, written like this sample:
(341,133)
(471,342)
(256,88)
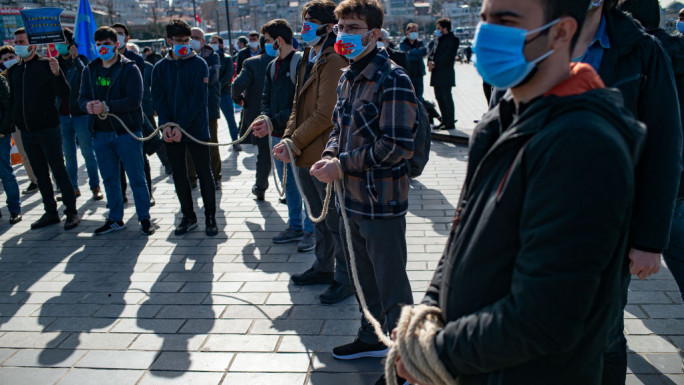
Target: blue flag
(84,34)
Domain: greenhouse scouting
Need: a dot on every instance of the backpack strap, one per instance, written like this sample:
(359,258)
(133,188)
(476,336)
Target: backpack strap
(378,83)
(294,67)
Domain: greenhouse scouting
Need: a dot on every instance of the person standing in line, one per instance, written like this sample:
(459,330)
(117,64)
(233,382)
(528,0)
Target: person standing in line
(253,49)
(74,121)
(415,51)
(35,84)
(443,78)
(113,84)
(226,80)
(179,91)
(9,180)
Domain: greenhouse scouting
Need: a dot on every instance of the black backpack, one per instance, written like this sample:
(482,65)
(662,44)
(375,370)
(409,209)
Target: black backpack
(421,130)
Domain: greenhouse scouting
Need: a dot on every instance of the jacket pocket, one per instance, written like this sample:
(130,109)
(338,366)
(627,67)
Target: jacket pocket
(365,117)
(370,186)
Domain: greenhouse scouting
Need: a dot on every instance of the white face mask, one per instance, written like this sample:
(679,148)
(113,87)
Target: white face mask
(196,45)
(215,47)
(380,44)
(121,39)
(253,45)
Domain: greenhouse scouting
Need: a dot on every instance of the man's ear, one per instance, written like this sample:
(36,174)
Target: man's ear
(561,34)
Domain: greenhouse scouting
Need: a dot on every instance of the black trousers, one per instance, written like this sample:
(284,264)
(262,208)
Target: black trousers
(200,158)
(446,105)
(263,166)
(44,151)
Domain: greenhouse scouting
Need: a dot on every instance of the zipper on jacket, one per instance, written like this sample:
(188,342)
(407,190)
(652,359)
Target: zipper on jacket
(110,90)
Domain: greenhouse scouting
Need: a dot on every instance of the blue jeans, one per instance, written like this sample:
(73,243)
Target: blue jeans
(73,128)
(674,254)
(111,150)
(9,180)
(229,113)
(295,209)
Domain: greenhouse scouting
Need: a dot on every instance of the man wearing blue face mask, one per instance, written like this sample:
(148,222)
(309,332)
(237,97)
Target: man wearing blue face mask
(113,84)
(525,289)
(180,91)
(680,24)
(443,78)
(415,51)
(35,84)
(75,121)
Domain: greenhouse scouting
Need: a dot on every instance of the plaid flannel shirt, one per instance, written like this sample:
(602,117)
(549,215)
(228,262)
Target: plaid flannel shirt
(372,136)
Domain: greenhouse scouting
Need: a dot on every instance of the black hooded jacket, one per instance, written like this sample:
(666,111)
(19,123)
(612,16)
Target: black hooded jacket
(534,258)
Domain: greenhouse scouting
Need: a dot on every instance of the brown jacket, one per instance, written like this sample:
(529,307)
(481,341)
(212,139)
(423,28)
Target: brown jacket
(310,123)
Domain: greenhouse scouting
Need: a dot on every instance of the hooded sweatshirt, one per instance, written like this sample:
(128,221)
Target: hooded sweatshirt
(532,264)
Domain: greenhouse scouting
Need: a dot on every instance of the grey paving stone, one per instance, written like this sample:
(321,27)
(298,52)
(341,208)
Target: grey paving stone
(280,326)
(650,344)
(241,343)
(643,379)
(256,312)
(648,297)
(168,342)
(664,311)
(326,363)
(98,341)
(341,327)
(342,378)
(57,358)
(312,343)
(129,311)
(181,378)
(24,324)
(112,359)
(30,376)
(191,311)
(176,298)
(264,379)
(673,379)
(81,324)
(666,363)
(5,354)
(194,362)
(68,310)
(271,362)
(102,377)
(654,326)
(147,326)
(33,340)
(218,326)
(326,312)
(214,287)
(237,298)
(638,364)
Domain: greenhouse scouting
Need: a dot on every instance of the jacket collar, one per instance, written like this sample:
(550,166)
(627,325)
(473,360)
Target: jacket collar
(380,60)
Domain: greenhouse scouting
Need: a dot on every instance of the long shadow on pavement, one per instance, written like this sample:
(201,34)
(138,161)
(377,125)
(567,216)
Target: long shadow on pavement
(95,297)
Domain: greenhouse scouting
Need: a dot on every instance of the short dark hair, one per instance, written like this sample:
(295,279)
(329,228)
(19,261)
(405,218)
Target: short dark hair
(253,33)
(68,35)
(19,31)
(321,10)
(5,49)
(370,11)
(178,27)
(119,25)
(147,49)
(646,12)
(278,28)
(411,25)
(243,40)
(444,23)
(104,33)
(219,38)
(577,9)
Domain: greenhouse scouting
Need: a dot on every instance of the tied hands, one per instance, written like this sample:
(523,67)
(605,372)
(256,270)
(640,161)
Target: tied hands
(259,128)
(95,107)
(326,170)
(171,134)
(401,369)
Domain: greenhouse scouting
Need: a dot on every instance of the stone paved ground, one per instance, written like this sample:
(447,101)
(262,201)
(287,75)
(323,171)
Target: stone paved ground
(127,309)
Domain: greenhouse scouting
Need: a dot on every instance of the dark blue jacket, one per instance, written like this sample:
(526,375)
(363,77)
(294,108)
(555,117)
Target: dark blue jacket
(147,103)
(179,92)
(214,97)
(139,61)
(73,68)
(124,97)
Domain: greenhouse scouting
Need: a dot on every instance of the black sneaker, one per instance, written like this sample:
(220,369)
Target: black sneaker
(307,243)
(72,220)
(358,349)
(237,147)
(146,227)
(15,218)
(110,226)
(193,184)
(185,225)
(288,235)
(217,185)
(46,220)
(260,194)
(152,201)
(383,381)
(337,292)
(313,277)
(211,226)
(32,187)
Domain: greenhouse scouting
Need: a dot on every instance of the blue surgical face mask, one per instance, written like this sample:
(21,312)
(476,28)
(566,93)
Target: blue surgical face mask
(270,51)
(310,33)
(106,52)
(595,4)
(438,33)
(10,62)
(350,46)
(23,51)
(181,50)
(63,49)
(680,26)
(413,35)
(499,56)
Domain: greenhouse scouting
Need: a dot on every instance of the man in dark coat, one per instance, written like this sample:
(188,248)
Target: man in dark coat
(397,56)
(441,64)
(540,233)
(247,92)
(415,53)
(254,48)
